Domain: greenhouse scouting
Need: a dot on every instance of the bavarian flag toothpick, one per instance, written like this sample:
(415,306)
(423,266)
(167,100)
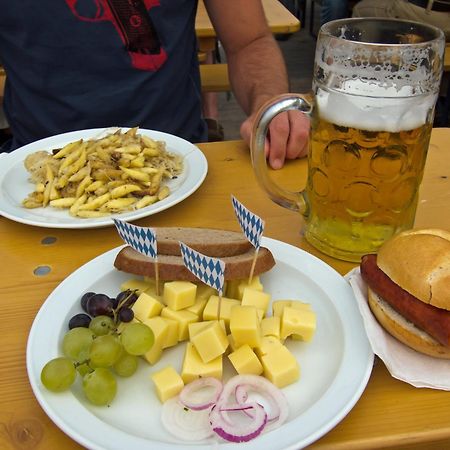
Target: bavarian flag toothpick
(141,239)
(207,269)
(252,227)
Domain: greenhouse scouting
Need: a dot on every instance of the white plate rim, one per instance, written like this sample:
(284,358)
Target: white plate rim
(195,162)
(349,384)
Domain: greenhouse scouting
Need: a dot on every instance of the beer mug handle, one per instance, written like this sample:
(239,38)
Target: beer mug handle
(283,197)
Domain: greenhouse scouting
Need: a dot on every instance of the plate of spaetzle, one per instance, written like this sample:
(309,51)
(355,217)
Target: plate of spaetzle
(84,179)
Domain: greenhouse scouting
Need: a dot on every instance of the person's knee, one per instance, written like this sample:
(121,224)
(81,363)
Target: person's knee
(373,8)
(358,9)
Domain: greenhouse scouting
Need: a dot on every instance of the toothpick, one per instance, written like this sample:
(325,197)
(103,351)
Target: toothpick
(219,305)
(253,266)
(157,277)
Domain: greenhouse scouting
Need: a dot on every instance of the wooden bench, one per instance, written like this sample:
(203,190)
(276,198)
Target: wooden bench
(2,81)
(446,105)
(214,77)
(447,58)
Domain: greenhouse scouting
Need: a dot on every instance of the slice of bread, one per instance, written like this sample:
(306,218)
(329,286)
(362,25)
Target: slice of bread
(210,242)
(171,267)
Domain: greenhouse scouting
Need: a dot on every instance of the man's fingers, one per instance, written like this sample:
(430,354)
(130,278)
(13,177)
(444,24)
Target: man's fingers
(278,140)
(246,133)
(287,137)
(298,143)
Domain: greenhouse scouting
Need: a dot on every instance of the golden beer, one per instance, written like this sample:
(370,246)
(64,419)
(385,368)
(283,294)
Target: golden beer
(363,184)
(375,86)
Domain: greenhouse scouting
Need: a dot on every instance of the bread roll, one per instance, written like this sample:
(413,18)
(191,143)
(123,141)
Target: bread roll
(419,262)
(404,330)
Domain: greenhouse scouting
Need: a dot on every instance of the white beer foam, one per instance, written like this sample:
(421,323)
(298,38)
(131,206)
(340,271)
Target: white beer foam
(374,108)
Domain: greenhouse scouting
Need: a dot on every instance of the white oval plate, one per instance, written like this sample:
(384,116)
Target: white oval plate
(335,365)
(15,186)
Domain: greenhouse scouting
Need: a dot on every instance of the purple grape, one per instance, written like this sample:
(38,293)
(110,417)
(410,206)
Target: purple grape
(99,305)
(130,297)
(79,320)
(126,315)
(115,302)
(84,300)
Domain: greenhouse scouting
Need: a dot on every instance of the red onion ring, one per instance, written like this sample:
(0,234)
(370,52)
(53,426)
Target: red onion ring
(233,419)
(187,392)
(241,395)
(238,432)
(239,384)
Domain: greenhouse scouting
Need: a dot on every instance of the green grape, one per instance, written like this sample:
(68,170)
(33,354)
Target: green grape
(100,386)
(83,369)
(76,343)
(126,365)
(58,374)
(102,325)
(137,338)
(104,351)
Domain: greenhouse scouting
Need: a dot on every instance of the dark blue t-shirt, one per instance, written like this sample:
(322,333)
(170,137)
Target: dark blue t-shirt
(74,64)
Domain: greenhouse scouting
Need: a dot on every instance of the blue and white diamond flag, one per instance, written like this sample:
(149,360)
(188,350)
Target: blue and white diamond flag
(143,240)
(251,224)
(209,270)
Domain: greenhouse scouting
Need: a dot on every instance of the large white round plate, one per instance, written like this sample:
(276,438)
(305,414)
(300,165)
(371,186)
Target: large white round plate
(15,186)
(335,365)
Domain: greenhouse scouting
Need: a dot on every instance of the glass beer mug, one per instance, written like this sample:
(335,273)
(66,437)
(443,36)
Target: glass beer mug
(375,85)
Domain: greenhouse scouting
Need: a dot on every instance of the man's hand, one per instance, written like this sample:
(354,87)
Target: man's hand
(287,137)
(258,73)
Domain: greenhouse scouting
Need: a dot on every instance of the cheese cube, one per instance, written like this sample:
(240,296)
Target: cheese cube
(301,322)
(210,342)
(172,333)
(179,294)
(255,283)
(167,383)
(232,288)
(210,311)
(245,361)
(280,367)
(198,307)
(270,326)
(231,344)
(146,306)
(204,291)
(194,367)
(160,329)
(244,325)
(183,317)
(196,327)
(256,298)
(135,284)
(267,345)
(297,304)
(278,306)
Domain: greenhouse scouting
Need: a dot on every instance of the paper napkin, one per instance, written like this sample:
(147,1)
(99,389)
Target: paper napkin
(402,362)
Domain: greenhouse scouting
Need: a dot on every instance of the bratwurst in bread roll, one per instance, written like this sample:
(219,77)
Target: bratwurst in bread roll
(409,289)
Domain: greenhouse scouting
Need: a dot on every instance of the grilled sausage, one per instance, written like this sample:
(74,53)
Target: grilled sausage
(432,320)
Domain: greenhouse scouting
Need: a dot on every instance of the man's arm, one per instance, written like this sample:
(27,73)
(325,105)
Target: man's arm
(257,73)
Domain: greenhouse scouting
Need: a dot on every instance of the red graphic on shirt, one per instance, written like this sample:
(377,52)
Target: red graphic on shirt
(133,24)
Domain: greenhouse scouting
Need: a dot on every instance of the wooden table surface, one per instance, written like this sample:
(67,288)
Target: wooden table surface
(390,414)
(279,19)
